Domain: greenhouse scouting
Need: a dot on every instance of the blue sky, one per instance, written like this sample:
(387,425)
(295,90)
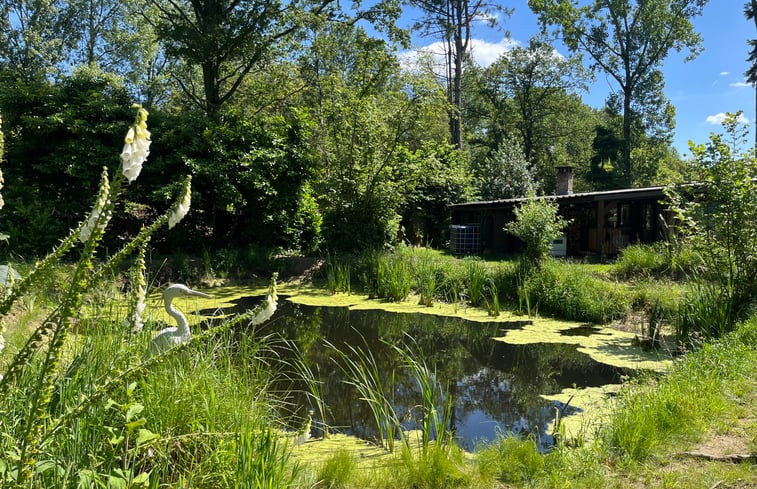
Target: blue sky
(701,90)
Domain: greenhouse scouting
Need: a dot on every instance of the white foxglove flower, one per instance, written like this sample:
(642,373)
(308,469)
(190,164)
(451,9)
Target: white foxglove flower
(266,313)
(181,209)
(136,147)
(140,292)
(99,208)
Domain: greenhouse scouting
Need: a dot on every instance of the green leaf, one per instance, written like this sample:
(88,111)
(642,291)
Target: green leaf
(133,410)
(117,481)
(135,424)
(141,479)
(145,436)
(115,440)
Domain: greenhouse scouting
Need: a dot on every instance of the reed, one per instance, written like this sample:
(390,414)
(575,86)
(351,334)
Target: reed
(394,278)
(436,402)
(705,312)
(477,278)
(264,460)
(362,372)
(338,276)
(426,272)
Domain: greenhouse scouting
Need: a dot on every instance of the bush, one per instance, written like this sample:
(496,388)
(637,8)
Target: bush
(537,224)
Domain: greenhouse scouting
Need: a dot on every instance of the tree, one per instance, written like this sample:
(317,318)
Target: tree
(505,174)
(627,39)
(452,21)
(226,39)
(750,12)
(533,78)
(34,35)
(721,213)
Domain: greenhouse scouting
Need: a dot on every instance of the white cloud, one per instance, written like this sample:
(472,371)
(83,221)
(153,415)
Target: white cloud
(741,84)
(484,53)
(724,73)
(717,119)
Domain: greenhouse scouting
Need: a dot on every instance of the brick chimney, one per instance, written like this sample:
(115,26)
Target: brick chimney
(564,180)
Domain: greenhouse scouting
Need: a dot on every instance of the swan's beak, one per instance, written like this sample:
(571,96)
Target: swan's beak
(196,293)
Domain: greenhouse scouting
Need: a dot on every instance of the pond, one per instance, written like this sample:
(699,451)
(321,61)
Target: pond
(497,387)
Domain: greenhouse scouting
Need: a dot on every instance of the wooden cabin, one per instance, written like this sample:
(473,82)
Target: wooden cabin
(600,222)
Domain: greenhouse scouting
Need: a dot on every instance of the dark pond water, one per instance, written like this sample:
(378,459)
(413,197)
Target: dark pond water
(496,386)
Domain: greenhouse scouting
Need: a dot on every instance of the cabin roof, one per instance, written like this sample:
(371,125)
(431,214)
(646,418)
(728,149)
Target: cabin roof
(628,193)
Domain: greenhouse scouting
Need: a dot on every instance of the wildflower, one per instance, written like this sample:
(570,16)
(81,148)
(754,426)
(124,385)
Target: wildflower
(100,207)
(140,293)
(181,209)
(136,146)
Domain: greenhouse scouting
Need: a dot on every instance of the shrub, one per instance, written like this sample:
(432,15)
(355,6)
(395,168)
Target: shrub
(537,224)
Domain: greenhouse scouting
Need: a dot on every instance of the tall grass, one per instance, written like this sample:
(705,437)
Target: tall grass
(264,460)
(436,402)
(426,272)
(566,292)
(477,278)
(393,277)
(705,312)
(338,276)
(656,412)
(362,372)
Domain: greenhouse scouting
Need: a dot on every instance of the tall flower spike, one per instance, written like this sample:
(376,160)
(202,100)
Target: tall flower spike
(140,291)
(182,207)
(99,208)
(136,146)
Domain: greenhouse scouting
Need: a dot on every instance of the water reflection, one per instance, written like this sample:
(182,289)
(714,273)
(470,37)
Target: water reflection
(496,385)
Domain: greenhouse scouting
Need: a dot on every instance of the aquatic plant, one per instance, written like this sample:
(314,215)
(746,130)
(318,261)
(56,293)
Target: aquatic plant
(436,402)
(476,279)
(336,472)
(393,277)
(337,276)
(362,372)
(426,273)
(264,460)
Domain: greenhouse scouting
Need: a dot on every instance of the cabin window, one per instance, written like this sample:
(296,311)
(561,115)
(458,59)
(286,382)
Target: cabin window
(625,215)
(612,217)
(648,217)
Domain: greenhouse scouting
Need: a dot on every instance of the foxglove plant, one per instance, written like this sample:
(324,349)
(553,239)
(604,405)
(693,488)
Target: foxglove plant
(28,437)
(139,291)
(182,207)
(136,146)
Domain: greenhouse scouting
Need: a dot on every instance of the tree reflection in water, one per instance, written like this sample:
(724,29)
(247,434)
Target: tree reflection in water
(496,386)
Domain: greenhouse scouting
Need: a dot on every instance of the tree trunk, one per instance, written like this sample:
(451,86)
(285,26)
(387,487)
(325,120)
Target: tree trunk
(625,157)
(210,75)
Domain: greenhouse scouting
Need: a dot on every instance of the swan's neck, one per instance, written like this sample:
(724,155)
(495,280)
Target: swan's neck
(182,326)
